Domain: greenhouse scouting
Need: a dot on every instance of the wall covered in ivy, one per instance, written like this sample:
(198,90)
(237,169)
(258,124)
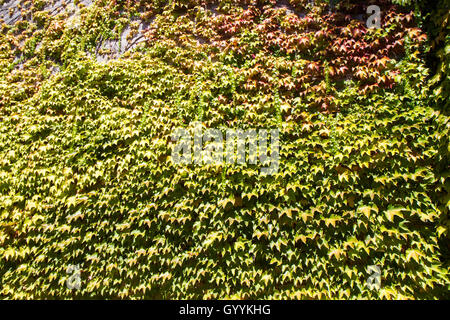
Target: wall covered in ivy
(90,92)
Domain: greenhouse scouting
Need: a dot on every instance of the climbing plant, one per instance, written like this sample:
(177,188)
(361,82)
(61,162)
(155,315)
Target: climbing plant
(85,152)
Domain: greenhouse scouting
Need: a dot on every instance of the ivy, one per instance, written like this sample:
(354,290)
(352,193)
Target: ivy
(86,176)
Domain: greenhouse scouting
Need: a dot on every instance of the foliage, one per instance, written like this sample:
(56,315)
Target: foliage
(86,175)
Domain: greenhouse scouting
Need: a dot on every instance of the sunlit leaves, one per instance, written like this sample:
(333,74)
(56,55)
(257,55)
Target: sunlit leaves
(86,176)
